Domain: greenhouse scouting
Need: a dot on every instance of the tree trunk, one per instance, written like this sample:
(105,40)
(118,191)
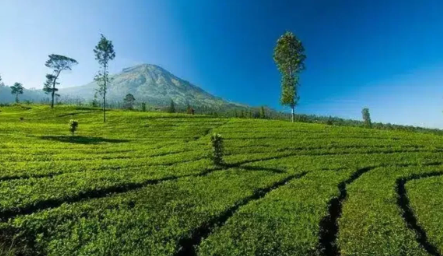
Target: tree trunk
(52,101)
(104,107)
(53,89)
(16,98)
(292,114)
(105,79)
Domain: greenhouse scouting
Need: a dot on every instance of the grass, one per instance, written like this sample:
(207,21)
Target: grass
(144,184)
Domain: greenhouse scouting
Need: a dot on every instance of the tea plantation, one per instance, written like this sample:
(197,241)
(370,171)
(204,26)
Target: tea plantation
(144,184)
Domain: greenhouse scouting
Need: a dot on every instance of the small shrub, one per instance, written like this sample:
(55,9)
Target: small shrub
(73,125)
(217,148)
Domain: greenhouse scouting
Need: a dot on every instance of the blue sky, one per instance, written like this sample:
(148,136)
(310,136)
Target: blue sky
(383,54)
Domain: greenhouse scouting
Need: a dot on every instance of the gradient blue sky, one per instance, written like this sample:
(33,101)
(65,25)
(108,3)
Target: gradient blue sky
(383,54)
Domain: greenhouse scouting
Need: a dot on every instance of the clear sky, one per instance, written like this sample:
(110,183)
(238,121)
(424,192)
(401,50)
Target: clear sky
(383,54)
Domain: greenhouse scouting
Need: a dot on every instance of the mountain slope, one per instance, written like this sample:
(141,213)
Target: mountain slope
(28,95)
(153,85)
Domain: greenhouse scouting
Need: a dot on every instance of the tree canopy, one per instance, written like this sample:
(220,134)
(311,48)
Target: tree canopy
(60,63)
(366,117)
(289,57)
(49,86)
(129,101)
(17,89)
(172,107)
(104,52)
(57,63)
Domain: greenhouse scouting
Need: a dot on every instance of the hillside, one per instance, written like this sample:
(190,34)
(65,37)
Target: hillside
(148,83)
(28,95)
(143,184)
(154,85)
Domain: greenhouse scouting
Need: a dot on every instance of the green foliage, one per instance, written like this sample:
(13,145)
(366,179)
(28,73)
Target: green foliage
(277,224)
(171,108)
(139,216)
(143,106)
(371,221)
(262,112)
(104,52)
(57,63)
(427,204)
(17,89)
(73,125)
(366,117)
(48,85)
(289,56)
(143,184)
(129,101)
(60,63)
(217,148)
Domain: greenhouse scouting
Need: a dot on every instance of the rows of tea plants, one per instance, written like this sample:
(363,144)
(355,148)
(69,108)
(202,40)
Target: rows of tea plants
(371,221)
(285,222)
(426,203)
(153,220)
(21,195)
(144,184)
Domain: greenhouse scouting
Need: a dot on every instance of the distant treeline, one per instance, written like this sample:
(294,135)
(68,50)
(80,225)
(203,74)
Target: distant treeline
(246,112)
(356,123)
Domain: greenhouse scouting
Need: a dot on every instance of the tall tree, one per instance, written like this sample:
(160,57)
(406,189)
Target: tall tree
(17,89)
(49,86)
(289,57)
(104,52)
(262,112)
(129,101)
(366,117)
(172,107)
(57,63)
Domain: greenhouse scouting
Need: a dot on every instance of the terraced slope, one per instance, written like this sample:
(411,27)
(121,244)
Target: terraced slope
(142,184)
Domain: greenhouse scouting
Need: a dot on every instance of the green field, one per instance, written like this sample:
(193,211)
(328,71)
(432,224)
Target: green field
(144,184)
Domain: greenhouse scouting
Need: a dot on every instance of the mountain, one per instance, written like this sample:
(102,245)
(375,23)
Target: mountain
(28,95)
(153,85)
